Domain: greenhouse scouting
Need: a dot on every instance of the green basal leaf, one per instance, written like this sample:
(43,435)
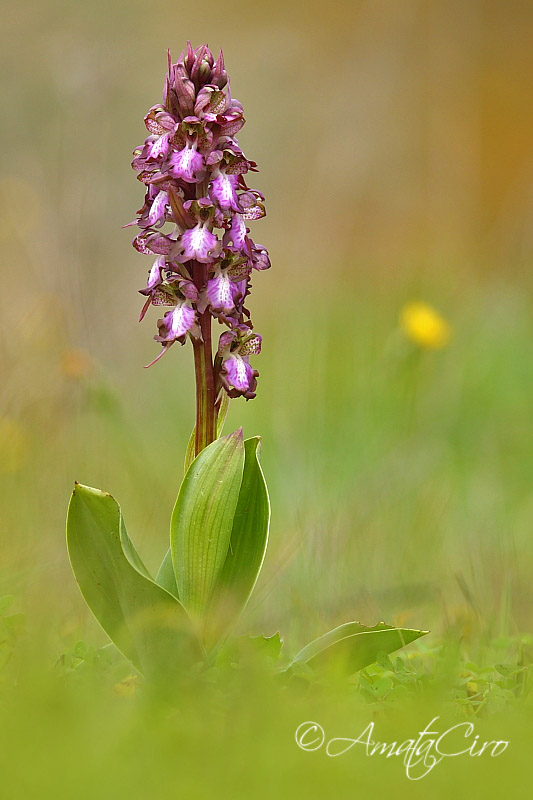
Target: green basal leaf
(222,411)
(129,550)
(221,418)
(353,646)
(146,623)
(166,577)
(189,453)
(247,547)
(202,519)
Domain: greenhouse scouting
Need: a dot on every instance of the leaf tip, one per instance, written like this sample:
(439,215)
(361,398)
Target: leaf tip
(89,491)
(237,436)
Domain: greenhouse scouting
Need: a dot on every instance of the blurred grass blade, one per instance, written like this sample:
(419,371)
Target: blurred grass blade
(149,626)
(221,418)
(202,519)
(248,544)
(353,646)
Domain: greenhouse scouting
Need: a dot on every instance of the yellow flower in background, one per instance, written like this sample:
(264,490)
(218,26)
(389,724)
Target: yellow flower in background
(424,326)
(14,445)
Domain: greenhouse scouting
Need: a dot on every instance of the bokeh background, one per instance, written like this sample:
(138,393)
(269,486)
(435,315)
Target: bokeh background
(395,146)
(396,152)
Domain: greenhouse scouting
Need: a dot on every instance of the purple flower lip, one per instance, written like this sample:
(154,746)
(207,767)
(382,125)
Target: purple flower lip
(200,244)
(195,214)
(236,374)
(176,324)
(174,327)
(222,291)
(154,276)
(188,164)
(238,234)
(224,192)
(158,208)
(159,147)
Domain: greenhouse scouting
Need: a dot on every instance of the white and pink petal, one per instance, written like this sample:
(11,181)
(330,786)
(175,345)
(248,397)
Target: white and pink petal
(176,323)
(158,208)
(159,147)
(221,291)
(188,164)
(200,243)
(238,373)
(238,233)
(224,191)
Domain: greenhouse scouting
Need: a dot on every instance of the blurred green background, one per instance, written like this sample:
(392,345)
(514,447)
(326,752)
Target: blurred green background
(395,143)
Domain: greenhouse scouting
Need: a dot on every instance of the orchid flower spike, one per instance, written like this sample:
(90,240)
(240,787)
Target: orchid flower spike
(195,216)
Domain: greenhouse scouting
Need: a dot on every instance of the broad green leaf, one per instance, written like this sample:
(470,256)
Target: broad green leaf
(146,623)
(166,577)
(353,646)
(222,411)
(247,548)
(189,453)
(202,519)
(129,550)
(221,418)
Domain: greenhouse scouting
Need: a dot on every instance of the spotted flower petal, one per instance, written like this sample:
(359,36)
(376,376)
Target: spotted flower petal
(158,121)
(252,206)
(251,346)
(149,242)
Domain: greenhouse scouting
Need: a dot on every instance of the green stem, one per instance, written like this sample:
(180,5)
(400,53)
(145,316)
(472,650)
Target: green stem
(205,381)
